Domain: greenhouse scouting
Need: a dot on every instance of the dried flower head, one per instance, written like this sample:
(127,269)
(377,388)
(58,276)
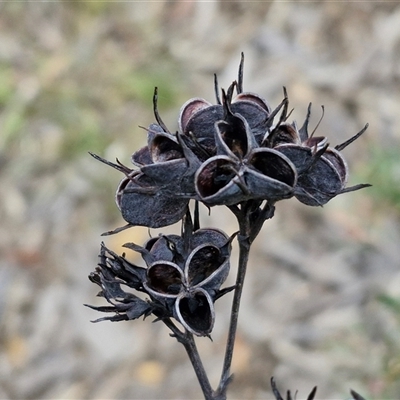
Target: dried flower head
(182,277)
(225,154)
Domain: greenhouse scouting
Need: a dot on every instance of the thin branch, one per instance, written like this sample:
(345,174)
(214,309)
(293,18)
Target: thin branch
(250,218)
(192,352)
(187,339)
(244,250)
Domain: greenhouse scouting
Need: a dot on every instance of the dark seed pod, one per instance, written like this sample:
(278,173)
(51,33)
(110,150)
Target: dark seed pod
(164,147)
(241,170)
(111,272)
(171,166)
(209,236)
(145,155)
(322,170)
(192,108)
(142,203)
(218,182)
(241,102)
(207,268)
(270,175)
(164,280)
(321,182)
(142,157)
(302,157)
(283,134)
(195,311)
(168,248)
(255,111)
(196,122)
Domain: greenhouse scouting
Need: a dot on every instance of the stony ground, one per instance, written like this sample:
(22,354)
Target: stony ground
(322,299)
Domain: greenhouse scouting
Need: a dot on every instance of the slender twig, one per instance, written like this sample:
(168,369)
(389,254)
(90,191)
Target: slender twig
(187,339)
(244,249)
(250,218)
(192,352)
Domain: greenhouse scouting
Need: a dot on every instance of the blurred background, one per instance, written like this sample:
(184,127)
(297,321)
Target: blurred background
(322,299)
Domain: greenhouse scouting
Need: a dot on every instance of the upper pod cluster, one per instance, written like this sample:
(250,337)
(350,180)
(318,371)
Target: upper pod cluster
(228,153)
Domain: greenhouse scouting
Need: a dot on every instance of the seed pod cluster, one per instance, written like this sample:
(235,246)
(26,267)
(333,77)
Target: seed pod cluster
(182,277)
(228,153)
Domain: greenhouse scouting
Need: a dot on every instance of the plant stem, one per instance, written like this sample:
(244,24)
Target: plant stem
(251,219)
(187,339)
(191,350)
(244,250)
